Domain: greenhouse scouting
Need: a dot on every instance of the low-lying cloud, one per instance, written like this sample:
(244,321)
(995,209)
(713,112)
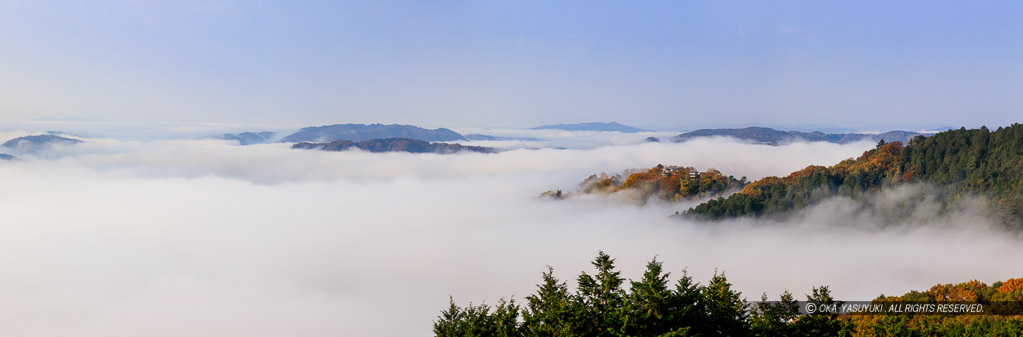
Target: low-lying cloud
(278,163)
(204,238)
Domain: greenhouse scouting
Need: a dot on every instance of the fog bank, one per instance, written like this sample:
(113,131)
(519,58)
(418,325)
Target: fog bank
(204,238)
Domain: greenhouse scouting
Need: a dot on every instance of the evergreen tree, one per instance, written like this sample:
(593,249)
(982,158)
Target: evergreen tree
(602,300)
(773,319)
(726,311)
(601,307)
(819,323)
(550,311)
(685,306)
(478,321)
(649,302)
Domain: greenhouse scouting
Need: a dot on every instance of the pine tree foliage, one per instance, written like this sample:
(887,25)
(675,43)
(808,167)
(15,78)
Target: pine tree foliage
(960,163)
(605,304)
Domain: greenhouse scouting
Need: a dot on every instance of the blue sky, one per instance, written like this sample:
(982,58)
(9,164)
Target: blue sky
(670,64)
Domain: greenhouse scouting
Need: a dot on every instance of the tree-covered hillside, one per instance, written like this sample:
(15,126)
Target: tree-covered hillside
(960,162)
(605,304)
(667,183)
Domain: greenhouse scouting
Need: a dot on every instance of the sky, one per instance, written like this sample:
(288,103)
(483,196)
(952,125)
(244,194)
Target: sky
(666,65)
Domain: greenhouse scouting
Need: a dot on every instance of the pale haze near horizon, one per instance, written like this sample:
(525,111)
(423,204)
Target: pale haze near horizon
(868,65)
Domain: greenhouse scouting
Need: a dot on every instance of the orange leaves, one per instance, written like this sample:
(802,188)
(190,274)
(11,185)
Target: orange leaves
(883,158)
(755,189)
(966,291)
(804,173)
(1011,285)
(636,178)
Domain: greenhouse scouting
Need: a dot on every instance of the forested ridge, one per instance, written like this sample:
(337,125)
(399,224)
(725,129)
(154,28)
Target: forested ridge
(605,304)
(960,162)
(667,183)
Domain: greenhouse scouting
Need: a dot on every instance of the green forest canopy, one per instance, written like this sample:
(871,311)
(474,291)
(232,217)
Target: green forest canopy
(605,304)
(961,162)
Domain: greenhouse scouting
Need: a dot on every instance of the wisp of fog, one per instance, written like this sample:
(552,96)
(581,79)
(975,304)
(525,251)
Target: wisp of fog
(206,238)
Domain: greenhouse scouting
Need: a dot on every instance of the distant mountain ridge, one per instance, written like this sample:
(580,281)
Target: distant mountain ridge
(363,132)
(477,136)
(394,145)
(773,136)
(597,126)
(249,138)
(38,142)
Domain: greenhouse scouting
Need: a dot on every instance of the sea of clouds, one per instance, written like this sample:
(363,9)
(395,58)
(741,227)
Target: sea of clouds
(201,237)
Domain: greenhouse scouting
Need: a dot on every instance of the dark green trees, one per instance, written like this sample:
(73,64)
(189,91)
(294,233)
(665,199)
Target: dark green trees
(478,320)
(726,312)
(650,300)
(958,163)
(818,323)
(658,310)
(601,306)
(603,310)
(550,312)
(774,318)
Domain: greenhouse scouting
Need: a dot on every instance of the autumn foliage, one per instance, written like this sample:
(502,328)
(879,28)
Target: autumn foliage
(666,183)
(959,162)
